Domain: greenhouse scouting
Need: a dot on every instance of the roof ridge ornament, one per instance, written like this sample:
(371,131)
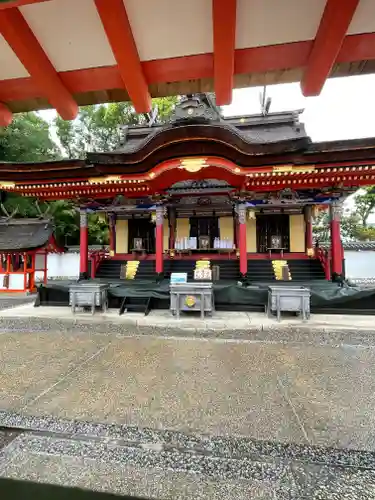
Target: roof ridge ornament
(42,215)
(8,216)
(195,108)
(265,102)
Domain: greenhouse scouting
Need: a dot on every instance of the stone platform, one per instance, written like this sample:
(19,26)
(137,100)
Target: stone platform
(28,316)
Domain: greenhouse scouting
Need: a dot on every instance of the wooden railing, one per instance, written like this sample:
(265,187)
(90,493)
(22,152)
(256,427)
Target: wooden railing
(96,257)
(323,255)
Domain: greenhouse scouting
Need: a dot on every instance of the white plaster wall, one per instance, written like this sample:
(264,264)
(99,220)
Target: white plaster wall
(359,264)
(39,261)
(65,265)
(16,282)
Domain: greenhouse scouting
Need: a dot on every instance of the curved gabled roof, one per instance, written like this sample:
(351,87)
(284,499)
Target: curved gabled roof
(197,119)
(21,235)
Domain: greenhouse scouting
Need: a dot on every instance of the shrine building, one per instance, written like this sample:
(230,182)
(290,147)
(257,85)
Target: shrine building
(240,192)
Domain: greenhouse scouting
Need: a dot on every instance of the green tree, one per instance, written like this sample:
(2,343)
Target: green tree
(354,223)
(98,127)
(365,204)
(27,139)
(98,230)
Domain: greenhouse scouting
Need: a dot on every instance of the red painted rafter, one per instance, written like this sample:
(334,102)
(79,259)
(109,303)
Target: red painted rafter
(24,44)
(119,33)
(333,27)
(224,33)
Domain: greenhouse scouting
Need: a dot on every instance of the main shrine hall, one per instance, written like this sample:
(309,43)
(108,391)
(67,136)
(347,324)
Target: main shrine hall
(236,191)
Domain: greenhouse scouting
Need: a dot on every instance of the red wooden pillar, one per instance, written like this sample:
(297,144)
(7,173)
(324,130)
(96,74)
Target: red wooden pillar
(25,272)
(83,246)
(241,212)
(112,234)
(336,246)
(309,228)
(45,279)
(159,238)
(172,227)
(235,231)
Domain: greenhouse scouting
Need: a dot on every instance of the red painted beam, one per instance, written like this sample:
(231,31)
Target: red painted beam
(119,33)
(333,27)
(24,44)
(224,32)
(6,116)
(252,60)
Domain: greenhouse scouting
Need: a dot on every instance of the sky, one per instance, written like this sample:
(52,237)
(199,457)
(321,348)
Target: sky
(345,108)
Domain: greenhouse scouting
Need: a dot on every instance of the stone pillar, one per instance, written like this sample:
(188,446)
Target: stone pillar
(241,213)
(308,229)
(83,246)
(112,234)
(159,239)
(336,245)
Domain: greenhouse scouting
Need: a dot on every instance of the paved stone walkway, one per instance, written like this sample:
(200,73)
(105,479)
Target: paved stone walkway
(187,416)
(220,321)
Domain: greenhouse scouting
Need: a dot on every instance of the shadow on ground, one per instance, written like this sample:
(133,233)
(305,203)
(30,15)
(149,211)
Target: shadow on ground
(24,490)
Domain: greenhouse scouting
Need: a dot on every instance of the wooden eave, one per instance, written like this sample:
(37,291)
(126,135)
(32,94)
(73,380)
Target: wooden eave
(332,163)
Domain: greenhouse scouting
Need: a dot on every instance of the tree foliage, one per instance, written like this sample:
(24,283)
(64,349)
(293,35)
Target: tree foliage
(365,204)
(354,222)
(27,139)
(97,128)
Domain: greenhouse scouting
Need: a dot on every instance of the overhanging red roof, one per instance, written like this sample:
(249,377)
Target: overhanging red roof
(60,53)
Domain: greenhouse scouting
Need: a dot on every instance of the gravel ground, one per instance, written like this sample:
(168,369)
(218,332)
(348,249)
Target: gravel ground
(276,471)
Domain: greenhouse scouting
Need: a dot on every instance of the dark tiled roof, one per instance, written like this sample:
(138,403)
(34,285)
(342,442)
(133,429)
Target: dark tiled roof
(359,245)
(24,234)
(352,245)
(197,118)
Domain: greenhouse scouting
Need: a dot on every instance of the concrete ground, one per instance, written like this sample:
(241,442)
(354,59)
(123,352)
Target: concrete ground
(222,320)
(188,417)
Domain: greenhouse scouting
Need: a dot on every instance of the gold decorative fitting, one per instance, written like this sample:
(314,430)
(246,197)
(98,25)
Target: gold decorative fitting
(104,180)
(237,170)
(7,185)
(193,164)
(282,168)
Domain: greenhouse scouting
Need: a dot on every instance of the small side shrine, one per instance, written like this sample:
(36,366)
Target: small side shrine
(24,247)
